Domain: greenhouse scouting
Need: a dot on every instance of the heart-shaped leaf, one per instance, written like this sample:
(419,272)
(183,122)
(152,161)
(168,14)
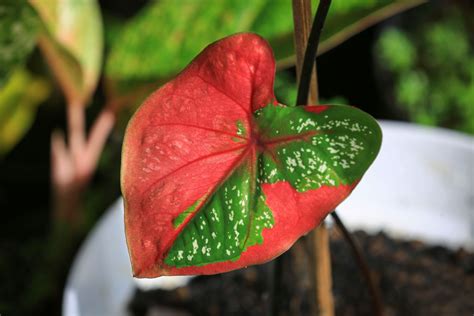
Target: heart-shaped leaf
(217,175)
(72,43)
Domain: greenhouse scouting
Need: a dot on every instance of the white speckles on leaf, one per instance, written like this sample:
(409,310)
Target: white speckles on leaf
(326,153)
(195,246)
(322,168)
(223,223)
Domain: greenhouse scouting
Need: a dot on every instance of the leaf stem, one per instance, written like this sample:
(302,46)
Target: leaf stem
(377,305)
(302,20)
(316,245)
(307,80)
(306,44)
(73,164)
(309,60)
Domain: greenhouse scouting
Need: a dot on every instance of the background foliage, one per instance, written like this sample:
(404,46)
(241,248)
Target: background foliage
(428,57)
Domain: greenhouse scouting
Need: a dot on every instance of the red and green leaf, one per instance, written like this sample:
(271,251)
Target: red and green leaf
(217,175)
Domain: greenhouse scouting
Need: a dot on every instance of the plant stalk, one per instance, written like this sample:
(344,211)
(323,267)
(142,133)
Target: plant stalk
(306,85)
(73,164)
(307,78)
(377,304)
(306,45)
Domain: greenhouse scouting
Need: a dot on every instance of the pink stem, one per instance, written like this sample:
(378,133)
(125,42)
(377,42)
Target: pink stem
(73,165)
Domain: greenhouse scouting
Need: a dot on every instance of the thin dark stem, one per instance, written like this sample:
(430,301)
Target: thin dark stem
(302,98)
(302,18)
(311,51)
(377,305)
(276,285)
(308,65)
(317,242)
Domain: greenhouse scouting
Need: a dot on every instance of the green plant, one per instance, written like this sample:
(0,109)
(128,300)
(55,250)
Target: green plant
(430,62)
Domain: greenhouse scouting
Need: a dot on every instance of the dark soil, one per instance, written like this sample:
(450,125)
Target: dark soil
(414,278)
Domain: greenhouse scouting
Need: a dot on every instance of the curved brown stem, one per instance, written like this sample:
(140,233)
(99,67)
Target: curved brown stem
(309,60)
(377,305)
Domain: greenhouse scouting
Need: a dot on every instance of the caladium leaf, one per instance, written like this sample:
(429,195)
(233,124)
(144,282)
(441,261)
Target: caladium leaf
(217,175)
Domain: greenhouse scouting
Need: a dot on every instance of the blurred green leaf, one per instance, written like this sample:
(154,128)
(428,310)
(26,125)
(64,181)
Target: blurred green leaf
(72,43)
(19,99)
(285,87)
(412,89)
(18,31)
(167,34)
(429,57)
(439,35)
(349,17)
(396,51)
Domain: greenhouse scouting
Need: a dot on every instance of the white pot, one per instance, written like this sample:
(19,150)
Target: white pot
(421,186)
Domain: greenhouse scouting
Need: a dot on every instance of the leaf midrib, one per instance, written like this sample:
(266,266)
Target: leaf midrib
(227,174)
(255,146)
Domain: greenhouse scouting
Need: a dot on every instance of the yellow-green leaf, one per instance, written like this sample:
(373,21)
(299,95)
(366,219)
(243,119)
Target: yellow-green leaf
(72,43)
(19,99)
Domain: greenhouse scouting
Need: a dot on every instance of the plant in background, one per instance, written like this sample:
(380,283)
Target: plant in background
(72,42)
(18,104)
(429,62)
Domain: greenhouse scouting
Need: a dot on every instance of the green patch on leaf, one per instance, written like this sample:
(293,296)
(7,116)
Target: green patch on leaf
(241,132)
(231,221)
(309,150)
(182,217)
